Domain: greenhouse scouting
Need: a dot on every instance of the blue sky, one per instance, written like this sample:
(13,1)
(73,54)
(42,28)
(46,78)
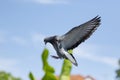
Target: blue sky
(24,24)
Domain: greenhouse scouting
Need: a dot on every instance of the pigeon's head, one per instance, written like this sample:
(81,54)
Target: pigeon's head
(50,39)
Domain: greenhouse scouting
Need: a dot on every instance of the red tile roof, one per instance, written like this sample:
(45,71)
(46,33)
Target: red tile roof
(79,77)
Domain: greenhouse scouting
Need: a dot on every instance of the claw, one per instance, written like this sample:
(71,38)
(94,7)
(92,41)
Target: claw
(56,57)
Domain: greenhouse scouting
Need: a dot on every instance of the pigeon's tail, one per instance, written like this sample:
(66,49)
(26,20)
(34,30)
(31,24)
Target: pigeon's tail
(70,57)
(75,62)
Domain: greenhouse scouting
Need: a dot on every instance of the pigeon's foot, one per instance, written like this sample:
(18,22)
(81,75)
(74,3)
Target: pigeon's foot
(56,57)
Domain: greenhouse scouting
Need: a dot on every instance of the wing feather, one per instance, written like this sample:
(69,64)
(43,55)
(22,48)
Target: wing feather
(80,33)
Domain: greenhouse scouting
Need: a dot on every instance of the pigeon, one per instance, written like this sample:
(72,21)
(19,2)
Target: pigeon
(72,39)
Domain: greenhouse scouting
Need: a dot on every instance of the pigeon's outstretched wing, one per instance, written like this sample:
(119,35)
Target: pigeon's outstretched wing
(80,33)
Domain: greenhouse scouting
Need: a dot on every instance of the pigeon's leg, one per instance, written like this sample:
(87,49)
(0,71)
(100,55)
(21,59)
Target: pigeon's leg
(56,57)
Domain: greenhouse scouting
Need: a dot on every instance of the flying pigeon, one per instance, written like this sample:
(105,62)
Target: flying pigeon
(72,39)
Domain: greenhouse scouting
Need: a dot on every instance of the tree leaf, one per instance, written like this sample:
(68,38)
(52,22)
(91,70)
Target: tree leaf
(49,70)
(31,76)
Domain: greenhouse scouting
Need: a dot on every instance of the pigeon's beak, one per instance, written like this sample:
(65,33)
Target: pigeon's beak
(45,43)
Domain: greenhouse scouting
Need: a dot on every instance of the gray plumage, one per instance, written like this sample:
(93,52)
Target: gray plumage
(73,38)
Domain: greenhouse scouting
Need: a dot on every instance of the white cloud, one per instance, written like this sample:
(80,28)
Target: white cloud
(49,1)
(37,40)
(90,54)
(6,63)
(10,66)
(19,40)
(31,39)
(2,37)
(37,37)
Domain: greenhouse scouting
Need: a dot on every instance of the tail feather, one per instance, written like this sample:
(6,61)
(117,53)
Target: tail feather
(70,57)
(74,60)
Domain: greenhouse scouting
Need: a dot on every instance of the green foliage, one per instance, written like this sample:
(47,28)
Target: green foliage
(7,76)
(118,71)
(66,69)
(70,51)
(31,76)
(49,71)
